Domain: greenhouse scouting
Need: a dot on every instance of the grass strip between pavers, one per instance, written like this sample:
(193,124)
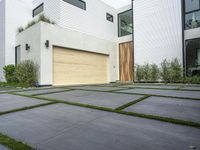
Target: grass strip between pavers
(132,103)
(26,108)
(68,90)
(159,118)
(156,95)
(13,144)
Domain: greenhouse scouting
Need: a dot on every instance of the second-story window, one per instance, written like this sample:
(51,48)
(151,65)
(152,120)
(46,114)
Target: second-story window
(78,3)
(109,17)
(125,23)
(192,14)
(38,10)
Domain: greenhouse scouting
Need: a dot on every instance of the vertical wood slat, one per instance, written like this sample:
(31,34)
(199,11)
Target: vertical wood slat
(126,61)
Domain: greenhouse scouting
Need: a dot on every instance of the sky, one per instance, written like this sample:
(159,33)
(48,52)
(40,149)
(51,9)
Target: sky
(117,3)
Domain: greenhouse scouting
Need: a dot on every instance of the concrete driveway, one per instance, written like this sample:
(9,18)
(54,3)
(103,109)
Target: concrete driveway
(103,117)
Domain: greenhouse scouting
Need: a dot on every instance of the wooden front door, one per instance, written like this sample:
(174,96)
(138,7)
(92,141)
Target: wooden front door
(126,61)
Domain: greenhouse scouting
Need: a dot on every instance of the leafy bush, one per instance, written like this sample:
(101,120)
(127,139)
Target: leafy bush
(192,80)
(171,71)
(155,72)
(147,73)
(20,29)
(26,72)
(9,72)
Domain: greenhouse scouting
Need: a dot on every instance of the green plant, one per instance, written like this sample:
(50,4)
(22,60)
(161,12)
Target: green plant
(147,72)
(26,72)
(31,23)
(154,72)
(176,71)
(20,29)
(165,70)
(192,80)
(9,72)
(139,73)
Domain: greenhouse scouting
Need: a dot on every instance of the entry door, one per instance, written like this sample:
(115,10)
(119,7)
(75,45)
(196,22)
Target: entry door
(126,61)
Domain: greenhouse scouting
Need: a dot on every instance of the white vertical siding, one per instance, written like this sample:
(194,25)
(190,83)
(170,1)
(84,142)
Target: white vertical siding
(91,21)
(51,8)
(157,30)
(2,38)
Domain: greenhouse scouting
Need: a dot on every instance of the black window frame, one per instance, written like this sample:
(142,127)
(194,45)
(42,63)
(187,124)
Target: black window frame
(118,21)
(76,5)
(16,48)
(42,4)
(109,17)
(189,12)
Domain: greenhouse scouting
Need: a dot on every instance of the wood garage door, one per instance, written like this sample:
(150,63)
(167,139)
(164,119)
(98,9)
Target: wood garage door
(72,67)
(126,61)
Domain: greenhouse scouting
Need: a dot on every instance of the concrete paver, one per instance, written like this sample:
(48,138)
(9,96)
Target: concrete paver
(169,107)
(102,99)
(64,127)
(10,102)
(42,91)
(175,93)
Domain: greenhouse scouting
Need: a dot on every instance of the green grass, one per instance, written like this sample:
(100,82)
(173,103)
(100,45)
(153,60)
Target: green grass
(26,108)
(67,90)
(132,103)
(13,144)
(159,118)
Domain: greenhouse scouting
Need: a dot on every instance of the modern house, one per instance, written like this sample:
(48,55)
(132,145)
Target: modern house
(91,42)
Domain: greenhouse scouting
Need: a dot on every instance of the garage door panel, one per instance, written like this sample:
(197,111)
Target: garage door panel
(79,67)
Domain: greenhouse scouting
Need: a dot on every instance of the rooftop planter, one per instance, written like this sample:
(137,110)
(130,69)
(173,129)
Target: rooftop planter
(33,22)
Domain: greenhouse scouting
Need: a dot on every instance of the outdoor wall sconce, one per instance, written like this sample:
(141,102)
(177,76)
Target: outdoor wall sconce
(27,47)
(47,43)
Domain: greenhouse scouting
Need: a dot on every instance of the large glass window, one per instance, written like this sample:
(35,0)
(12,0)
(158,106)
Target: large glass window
(192,14)
(193,57)
(38,10)
(17,54)
(191,5)
(78,3)
(125,23)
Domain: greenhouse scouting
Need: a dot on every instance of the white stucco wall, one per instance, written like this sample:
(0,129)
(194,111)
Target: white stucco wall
(2,38)
(90,21)
(157,30)
(59,36)
(18,13)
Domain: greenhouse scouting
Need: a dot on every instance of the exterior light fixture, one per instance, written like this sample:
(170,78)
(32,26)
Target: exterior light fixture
(47,43)
(27,47)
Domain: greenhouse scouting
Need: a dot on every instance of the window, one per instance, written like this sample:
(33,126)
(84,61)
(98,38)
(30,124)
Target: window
(78,3)
(193,57)
(17,54)
(109,17)
(192,14)
(191,5)
(38,10)
(125,23)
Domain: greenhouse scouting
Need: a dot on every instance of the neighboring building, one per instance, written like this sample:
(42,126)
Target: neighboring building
(95,43)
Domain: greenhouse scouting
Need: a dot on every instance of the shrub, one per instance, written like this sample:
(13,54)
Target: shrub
(192,80)
(171,71)
(176,71)
(139,73)
(20,29)
(165,70)
(26,72)
(9,72)
(147,73)
(154,72)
